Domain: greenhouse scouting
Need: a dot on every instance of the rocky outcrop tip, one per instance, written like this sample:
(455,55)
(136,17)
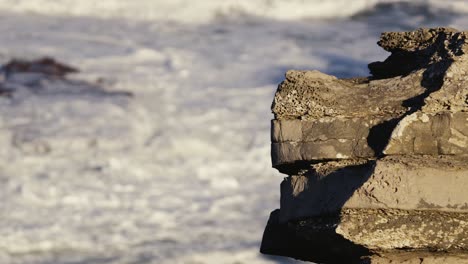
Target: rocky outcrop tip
(377,166)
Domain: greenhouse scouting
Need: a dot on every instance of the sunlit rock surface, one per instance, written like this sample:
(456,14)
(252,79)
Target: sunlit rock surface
(378,165)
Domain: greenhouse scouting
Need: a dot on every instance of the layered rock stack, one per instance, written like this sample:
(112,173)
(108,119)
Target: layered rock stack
(377,167)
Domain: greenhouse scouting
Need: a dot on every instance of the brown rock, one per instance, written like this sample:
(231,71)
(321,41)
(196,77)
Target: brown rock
(406,183)
(443,133)
(378,166)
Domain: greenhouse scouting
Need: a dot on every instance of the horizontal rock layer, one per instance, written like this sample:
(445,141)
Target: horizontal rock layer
(407,183)
(377,165)
(322,139)
(391,229)
(443,133)
(417,257)
(357,233)
(310,95)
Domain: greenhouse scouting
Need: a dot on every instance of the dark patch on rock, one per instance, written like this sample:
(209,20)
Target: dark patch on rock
(318,244)
(45,65)
(45,74)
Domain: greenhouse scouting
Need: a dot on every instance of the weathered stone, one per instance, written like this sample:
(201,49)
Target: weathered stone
(312,95)
(284,239)
(325,138)
(289,152)
(378,166)
(387,229)
(407,183)
(356,233)
(442,52)
(417,49)
(443,133)
(421,61)
(354,118)
(286,130)
(417,257)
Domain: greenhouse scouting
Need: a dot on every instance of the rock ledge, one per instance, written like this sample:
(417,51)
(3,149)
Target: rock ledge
(376,166)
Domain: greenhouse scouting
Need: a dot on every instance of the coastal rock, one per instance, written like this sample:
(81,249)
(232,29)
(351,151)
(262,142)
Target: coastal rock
(377,166)
(443,133)
(406,183)
(320,117)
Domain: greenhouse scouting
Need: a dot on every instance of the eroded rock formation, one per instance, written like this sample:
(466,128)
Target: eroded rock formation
(378,166)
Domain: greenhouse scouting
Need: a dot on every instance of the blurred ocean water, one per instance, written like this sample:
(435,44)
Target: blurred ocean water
(180,172)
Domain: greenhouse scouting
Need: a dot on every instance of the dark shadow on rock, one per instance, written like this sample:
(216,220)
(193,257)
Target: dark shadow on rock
(310,235)
(45,65)
(403,63)
(405,60)
(326,191)
(379,135)
(48,76)
(296,240)
(295,167)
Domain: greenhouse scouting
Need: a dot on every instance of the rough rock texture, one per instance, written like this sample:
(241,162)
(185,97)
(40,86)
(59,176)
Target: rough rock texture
(424,76)
(407,183)
(313,95)
(378,166)
(443,133)
(325,138)
(391,229)
(418,257)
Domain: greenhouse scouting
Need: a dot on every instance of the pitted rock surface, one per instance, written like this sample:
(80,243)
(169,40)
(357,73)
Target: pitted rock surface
(377,166)
(331,118)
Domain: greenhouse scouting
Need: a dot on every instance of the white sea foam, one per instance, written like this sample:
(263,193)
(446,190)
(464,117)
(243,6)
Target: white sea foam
(180,172)
(206,10)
